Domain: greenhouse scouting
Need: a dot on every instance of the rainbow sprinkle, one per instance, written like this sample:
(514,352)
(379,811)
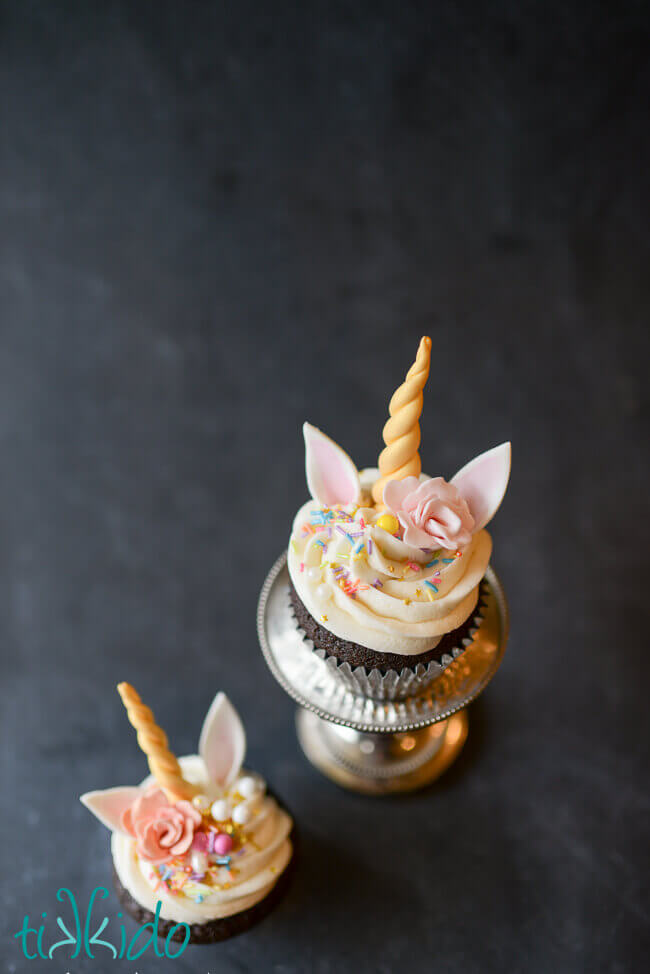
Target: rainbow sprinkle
(344,533)
(431,586)
(447,561)
(321,517)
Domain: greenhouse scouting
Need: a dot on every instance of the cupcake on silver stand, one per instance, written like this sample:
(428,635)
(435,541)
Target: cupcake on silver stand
(384,619)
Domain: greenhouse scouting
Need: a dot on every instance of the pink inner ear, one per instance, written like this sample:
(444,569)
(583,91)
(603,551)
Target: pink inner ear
(332,477)
(483,481)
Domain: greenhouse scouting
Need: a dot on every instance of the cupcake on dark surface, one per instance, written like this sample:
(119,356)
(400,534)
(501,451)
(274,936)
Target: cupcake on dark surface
(387,564)
(200,848)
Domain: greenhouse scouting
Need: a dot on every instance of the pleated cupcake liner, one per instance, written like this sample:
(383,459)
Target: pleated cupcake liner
(393,684)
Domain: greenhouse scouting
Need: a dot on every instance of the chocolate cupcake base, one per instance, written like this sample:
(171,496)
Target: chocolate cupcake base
(212,931)
(384,676)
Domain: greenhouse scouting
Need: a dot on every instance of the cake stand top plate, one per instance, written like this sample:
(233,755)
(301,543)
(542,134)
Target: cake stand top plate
(312,684)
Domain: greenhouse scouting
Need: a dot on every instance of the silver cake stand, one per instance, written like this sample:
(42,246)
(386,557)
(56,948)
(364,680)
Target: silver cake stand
(371,746)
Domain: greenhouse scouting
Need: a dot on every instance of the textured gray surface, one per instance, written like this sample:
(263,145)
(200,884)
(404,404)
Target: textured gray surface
(215,224)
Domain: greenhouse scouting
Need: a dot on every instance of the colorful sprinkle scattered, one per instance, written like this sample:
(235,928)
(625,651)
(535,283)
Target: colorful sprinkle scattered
(321,517)
(345,533)
(369,546)
(377,583)
(432,586)
(430,564)
(343,516)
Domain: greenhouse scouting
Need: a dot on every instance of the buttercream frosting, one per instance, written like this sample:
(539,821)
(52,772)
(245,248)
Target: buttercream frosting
(367,586)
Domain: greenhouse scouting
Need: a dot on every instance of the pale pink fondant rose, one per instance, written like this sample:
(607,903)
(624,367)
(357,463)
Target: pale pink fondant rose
(433,513)
(162,830)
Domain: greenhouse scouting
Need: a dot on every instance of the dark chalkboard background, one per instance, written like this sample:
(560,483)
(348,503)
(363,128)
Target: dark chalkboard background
(217,220)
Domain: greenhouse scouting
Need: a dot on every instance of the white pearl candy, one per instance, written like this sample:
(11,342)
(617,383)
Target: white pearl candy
(248,787)
(241,814)
(201,802)
(199,862)
(220,810)
(322,593)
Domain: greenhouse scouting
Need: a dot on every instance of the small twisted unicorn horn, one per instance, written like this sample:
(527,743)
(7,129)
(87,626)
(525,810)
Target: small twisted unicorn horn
(400,458)
(152,739)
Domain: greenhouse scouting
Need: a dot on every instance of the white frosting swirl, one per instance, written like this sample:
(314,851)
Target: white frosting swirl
(368,587)
(257,864)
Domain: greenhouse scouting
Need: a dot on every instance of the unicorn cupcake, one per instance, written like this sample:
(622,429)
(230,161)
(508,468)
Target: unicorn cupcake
(200,848)
(387,564)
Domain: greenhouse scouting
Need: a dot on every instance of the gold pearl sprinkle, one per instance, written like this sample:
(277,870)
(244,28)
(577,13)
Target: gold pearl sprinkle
(390,568)
(407,601)
(418,592)
(324,618)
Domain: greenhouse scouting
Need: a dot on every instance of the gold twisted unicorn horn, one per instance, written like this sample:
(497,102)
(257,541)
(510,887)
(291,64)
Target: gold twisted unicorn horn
(400,457)
(152,739)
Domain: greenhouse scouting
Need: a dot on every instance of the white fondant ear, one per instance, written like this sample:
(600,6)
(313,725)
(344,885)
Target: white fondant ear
(222,744)
(109,805)
(332,477)
(483,481)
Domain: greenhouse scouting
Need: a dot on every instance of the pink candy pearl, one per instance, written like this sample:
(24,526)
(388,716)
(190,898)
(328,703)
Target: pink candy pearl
(200,842)
(222,844)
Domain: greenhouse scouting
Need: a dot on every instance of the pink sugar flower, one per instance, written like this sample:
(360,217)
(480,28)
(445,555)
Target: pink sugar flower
(433,513)
(162,830)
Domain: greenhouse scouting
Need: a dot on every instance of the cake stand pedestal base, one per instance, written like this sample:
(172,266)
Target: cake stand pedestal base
(378,764)
(377,746)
